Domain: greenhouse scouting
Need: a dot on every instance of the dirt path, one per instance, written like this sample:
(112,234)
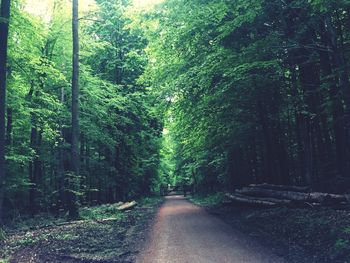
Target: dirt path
(185,233)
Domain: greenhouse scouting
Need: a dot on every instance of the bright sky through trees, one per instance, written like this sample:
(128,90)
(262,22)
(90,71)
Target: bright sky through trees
(43,8)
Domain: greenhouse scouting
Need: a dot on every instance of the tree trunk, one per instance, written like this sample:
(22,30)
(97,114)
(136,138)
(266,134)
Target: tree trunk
(72,199)
(32,174)
(339,126)
(9,127)
(4,30)
(341,68)
(61,161)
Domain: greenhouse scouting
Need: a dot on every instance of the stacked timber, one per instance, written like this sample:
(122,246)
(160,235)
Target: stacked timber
(269,195)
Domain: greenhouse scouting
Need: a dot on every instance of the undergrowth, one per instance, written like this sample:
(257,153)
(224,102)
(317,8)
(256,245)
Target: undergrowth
(208,200)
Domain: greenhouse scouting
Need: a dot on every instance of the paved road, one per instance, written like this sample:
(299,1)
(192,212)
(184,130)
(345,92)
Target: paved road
(185,233)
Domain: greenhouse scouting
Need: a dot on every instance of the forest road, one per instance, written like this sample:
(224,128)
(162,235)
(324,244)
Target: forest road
(186,233)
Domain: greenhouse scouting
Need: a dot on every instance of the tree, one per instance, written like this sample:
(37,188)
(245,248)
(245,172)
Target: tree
(75,160)
(4,31)
(258,89)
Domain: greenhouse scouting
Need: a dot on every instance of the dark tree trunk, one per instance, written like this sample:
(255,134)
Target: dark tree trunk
(72,199)
(337,110)
(268,154)
(4,30)
(339,63)
(301,168)
(341,68)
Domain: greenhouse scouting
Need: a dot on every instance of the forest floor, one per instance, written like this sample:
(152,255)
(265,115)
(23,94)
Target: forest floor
(103,235)
(307,235)
(106,235)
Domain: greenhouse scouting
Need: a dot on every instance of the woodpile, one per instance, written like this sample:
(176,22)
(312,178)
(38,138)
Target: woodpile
(269,195)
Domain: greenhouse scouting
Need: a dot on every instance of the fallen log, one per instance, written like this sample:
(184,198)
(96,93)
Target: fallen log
(118,204)
(315,197)
(292,188)
(258,199)
(127,206)
(249,201)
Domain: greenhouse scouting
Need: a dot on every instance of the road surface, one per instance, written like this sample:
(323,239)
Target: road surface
(186,233)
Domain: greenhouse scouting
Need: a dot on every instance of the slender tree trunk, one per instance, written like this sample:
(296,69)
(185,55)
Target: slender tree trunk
(9,127)
(32,174)
(4,30)
(72,205)
(61,161)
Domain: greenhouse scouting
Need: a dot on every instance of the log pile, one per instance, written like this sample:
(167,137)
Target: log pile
(269,195)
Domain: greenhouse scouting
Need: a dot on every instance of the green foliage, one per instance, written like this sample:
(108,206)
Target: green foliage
(120,131)
(231,80)
(100,212)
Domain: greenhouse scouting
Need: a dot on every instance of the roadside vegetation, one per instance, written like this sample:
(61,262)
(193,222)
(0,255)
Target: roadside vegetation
(319,235)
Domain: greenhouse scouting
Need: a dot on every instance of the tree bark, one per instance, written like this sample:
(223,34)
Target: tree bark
(9,127)
(4,30)
(72,199)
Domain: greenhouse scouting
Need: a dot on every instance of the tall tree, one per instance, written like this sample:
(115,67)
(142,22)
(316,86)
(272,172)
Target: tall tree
(72,206)
(4,30)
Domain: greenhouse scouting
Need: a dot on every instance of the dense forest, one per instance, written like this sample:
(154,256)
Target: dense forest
(119,98)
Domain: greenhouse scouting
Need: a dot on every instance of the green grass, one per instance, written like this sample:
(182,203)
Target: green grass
(208,200)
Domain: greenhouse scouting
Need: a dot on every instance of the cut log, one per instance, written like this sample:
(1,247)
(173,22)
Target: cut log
(315,197)
(250,201)
(292,188)
(347,196)
(265,199)
(127,206)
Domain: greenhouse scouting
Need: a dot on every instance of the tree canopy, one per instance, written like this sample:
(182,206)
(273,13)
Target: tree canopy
(217,94)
